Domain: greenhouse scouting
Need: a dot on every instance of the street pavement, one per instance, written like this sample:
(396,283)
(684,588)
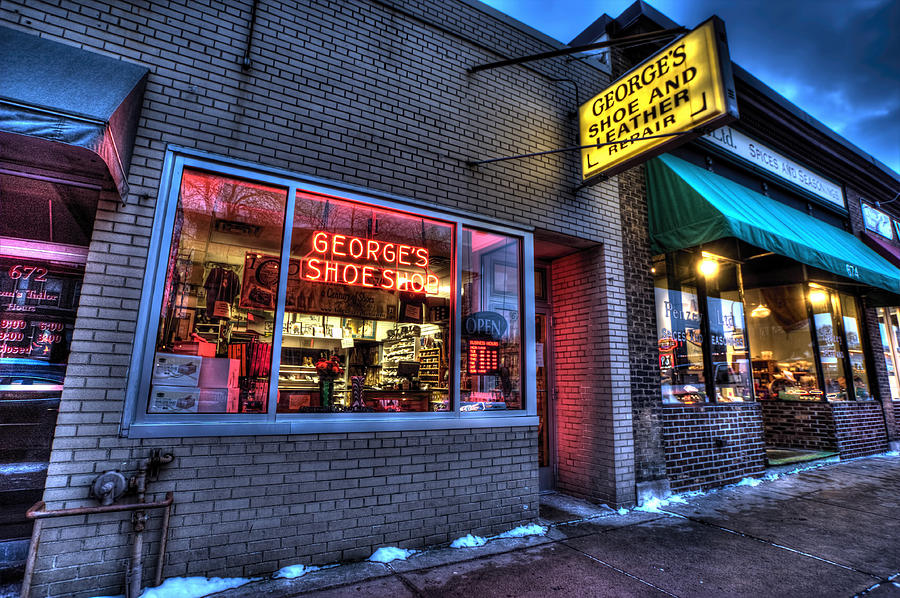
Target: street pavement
(832,530)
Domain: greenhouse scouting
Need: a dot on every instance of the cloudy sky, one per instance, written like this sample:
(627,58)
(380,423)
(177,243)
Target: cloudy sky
(839,60)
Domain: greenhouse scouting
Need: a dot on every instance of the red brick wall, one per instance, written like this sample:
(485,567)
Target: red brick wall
(593,406)
(800,425)
(712,445)
(860,428)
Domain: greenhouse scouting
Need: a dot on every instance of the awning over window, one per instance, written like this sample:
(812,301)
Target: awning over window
(75,98)
(688,206)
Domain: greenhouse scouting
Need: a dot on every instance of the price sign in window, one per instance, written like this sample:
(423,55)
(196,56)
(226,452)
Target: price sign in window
(484,356)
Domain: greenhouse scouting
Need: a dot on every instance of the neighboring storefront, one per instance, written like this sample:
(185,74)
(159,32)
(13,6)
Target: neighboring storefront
(765,295)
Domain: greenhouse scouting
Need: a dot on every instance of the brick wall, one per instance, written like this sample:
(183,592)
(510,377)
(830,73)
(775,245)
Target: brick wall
(801,425)
(896,409)
(860,428)
(373,94)
(595,458)
(712,445)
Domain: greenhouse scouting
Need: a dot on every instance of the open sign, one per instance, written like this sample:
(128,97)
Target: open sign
(485,323)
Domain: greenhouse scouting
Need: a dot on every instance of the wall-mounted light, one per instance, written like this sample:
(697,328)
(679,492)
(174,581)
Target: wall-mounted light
(817,296)
(708,267)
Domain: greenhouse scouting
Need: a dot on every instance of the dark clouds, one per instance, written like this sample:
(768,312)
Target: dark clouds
(837,60)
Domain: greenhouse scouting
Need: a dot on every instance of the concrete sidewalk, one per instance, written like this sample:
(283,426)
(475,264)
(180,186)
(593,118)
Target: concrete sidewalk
(829,531)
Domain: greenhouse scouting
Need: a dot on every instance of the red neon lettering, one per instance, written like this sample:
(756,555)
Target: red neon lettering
(367,274)
(390,253)
(313,264)
(387,279)
(320,242)
(373,248)
(355,274)
(402,281)
(357,253)
(337,241)
(418,282)
(403,255)
(422,254)
(331,272)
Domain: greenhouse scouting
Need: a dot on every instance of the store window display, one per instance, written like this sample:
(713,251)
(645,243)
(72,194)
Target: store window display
(281,304)
(784,364)
(367,311)
(889,326)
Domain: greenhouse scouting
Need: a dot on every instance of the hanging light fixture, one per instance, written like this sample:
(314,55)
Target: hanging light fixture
(760,311)
(708,267)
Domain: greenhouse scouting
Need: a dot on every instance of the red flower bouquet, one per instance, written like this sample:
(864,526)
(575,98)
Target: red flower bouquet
(329,368)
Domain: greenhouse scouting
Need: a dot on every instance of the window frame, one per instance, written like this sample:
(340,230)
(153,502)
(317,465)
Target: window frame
(137,423)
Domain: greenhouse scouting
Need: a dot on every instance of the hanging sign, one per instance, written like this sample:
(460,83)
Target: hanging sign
(681,89)
(485,323)
(877,221)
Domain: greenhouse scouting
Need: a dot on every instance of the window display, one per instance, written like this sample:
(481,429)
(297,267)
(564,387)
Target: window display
(491,326)
(284,304)
(784,363)
(855,353)
(214,345)
(727,331)
(679,337)
(889,326)
(367,312)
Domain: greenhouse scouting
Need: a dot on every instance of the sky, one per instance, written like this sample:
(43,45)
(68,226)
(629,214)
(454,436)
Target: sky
(838,60)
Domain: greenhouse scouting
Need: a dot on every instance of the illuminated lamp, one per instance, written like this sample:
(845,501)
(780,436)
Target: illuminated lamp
(708,267)
(760,311)
(817,294)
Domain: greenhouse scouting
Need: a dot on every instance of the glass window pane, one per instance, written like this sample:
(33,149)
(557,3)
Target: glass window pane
(491,327)
(889,329)
(731,366)
(678,330)
(853,334)
(784,366)
(214,344)
(831,350)
(367,316)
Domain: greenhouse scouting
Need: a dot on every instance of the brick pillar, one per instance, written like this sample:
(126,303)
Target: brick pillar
(593,400)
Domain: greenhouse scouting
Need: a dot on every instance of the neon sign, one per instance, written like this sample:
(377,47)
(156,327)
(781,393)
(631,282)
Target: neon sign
(353,261)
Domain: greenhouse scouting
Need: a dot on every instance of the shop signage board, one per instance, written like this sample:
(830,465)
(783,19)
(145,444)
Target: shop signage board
(877,221)
(736,143)
(684,88)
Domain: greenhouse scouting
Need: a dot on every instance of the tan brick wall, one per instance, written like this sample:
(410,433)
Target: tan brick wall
(373,94)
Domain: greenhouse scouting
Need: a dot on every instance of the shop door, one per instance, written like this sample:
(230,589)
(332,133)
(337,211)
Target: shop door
(546,440)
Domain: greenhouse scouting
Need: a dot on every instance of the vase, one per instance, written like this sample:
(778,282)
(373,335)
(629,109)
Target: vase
(326,392)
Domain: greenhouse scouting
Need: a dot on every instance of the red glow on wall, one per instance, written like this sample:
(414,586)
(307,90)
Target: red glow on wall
(484,357)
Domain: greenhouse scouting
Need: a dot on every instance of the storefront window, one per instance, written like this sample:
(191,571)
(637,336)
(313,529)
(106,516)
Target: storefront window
(214,345)
(730,363)
(831,351)
(678,331)
(491,323)
(784,364)
(367,312)
(853,334)
(890,340)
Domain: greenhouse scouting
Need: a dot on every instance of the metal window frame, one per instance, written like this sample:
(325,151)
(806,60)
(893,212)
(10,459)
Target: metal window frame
(137,423)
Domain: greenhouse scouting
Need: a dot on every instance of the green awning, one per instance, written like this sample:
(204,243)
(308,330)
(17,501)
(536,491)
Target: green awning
(688,206)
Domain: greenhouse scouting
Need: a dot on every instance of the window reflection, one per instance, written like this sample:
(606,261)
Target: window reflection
(784,365)
(731,366)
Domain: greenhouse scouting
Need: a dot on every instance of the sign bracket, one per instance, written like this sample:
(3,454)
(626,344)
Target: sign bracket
(639,37)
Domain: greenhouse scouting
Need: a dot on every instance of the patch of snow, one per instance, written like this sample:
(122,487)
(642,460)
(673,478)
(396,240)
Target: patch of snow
(386,554)
(532,529)
(468,541)
(892,454)
(753,482)
(294,571)
(655,505)
(622,511)
(14,468)
(190,587)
